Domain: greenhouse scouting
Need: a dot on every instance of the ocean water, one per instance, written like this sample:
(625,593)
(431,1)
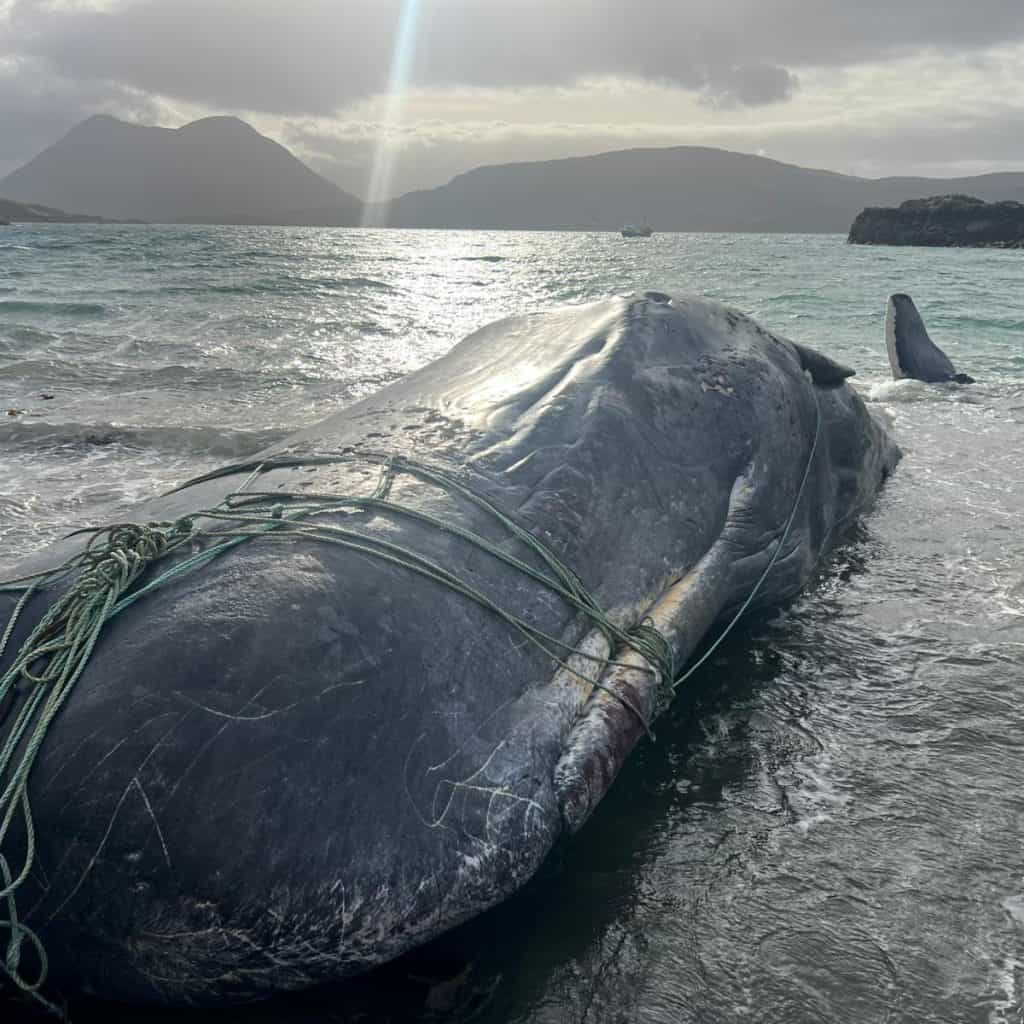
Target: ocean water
(829,826)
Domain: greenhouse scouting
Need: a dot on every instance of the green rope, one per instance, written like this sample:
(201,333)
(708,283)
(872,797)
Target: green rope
(46,668)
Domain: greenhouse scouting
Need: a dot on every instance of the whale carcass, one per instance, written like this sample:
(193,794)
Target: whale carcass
(301,757)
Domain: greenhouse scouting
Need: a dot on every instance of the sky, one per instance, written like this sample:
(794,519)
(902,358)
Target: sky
(386,96)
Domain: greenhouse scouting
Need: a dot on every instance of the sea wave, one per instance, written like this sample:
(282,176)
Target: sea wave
(966,324)
(907,390)
(53,308)
(220,442)
(25,336)
(365,282)
(281,285)
(104,377)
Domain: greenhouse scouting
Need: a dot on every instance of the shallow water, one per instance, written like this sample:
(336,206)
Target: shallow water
(828,827)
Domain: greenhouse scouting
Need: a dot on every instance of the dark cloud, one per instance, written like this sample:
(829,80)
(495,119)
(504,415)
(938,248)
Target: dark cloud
(750,85)
(312,57)
(230,54)
(37,106)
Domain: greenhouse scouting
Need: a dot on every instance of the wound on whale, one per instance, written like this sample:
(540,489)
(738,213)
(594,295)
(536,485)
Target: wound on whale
(303,714)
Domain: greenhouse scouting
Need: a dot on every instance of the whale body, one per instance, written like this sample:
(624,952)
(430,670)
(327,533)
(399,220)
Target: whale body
(302,759)
(912,353)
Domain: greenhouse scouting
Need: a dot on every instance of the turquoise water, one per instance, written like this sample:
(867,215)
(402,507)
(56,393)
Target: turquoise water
(829,826)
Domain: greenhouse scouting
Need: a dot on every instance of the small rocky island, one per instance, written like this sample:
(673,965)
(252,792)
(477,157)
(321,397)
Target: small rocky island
(942,220)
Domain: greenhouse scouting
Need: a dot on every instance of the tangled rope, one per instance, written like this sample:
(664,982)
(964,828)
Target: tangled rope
(106,577)
(45,670)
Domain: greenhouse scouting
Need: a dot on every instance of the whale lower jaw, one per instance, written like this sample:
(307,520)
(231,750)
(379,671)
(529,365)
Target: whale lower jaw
(629,695)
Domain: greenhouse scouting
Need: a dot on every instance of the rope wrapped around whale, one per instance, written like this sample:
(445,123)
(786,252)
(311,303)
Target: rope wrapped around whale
(106,579)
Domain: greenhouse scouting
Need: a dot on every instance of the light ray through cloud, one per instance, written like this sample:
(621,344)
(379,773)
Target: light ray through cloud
(382,170)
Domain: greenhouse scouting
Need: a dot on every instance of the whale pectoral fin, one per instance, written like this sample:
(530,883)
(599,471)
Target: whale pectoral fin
(825,372)
(912,353)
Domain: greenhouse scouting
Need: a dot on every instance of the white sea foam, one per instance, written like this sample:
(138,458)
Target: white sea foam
(905,390)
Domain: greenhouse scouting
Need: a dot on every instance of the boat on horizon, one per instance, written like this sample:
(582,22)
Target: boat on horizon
(635,231)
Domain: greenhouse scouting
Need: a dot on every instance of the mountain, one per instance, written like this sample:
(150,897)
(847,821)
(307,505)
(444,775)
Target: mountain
(221,170)
(682,188)
(217,170)
(26,213)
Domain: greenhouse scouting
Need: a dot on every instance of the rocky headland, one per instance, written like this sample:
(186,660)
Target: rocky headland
(955,220)
(32,213)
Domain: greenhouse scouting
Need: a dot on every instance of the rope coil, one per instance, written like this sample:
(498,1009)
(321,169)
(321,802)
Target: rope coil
(45,671)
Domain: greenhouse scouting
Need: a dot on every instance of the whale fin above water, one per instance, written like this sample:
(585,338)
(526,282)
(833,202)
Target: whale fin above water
(912,353)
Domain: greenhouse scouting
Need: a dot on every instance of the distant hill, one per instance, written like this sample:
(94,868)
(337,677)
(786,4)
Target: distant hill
(221,170)
(217,170)
(30,213)
(682,188)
